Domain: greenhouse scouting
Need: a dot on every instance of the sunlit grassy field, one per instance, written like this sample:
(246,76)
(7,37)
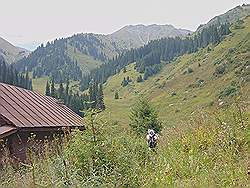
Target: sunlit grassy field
(189,97)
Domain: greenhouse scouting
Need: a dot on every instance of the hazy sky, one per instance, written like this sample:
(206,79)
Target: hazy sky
(29,22)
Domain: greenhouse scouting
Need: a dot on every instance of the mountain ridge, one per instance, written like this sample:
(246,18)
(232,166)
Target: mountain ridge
(87,50)
(11,53)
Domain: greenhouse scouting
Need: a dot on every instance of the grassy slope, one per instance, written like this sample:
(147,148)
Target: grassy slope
(39,85)
(85,62)
(174,109)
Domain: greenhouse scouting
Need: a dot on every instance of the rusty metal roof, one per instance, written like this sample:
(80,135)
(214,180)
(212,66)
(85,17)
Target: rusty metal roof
(27,109)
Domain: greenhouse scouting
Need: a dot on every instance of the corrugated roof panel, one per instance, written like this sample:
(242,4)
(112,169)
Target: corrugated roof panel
(25,108)
(5,130)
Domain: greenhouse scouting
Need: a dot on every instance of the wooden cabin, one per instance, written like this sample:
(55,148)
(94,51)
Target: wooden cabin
(24,112)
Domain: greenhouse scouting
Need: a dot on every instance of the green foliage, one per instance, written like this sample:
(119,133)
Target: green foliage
(47,90)
(229,91)
(9,75)
(100,98)
(124,82)
(143,117)
(105,155)
(139,79)
(220,70)
(116,95)
(148,58)
(53,89)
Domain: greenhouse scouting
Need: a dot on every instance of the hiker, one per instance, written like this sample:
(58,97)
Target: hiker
(152,138)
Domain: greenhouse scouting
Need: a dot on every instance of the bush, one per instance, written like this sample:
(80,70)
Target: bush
(220,70)
(139,79)
(116,95)
(229,91)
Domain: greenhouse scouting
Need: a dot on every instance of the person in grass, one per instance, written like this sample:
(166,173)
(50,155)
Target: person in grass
(152,138)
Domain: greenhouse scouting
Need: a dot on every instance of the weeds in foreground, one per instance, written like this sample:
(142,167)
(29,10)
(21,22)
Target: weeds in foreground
(214,153)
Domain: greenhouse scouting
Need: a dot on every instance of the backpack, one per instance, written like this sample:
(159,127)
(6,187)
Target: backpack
(152,141)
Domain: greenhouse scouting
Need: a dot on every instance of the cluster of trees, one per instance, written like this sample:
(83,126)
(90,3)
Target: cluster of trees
(126,81)
(76,101)
(9,75)
(51,59)
(139,79)
(148,58)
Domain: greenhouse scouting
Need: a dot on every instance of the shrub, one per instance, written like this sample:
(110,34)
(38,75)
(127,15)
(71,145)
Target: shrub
(220,70)
(229,91)
(116,95)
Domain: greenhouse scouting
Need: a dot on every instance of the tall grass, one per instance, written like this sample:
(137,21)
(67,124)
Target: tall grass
(212,153)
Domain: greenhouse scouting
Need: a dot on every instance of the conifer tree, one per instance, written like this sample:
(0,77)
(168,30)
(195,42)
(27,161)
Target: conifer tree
(143,117)
(116,95)
(66,94)
(47,91)
(53,90)
(139,79)
(100,98)
(61,91)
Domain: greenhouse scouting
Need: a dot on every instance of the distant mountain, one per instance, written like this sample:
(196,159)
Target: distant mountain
(11,53)
(230,16)
(134,36)
(63,57)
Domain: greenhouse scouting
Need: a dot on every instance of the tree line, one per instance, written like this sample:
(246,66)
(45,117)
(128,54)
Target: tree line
(51,59)
(76,101)
(9,75)
(149,57)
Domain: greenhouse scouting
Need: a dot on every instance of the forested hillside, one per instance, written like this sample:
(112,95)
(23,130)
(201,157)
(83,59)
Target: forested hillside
(9,75)
(201,80)
(149,57)
(70,58)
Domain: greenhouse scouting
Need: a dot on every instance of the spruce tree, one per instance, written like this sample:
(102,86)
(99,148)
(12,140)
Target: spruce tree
(116,95)
(143,117)
(139,79)
(47,91)
(53,90)
(66,95)
(27,80)
(61,91)
(100,98)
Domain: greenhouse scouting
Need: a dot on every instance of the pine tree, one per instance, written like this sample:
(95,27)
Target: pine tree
(116,95)
(61,91)
(93,89)
(139,79)
(124,82)
(53,90)
(100,98)
(27,80)
(47,91)
(143,117)
(66,96)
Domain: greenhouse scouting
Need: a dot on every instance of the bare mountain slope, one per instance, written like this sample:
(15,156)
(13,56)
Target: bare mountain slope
(11,53)
(134,36)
